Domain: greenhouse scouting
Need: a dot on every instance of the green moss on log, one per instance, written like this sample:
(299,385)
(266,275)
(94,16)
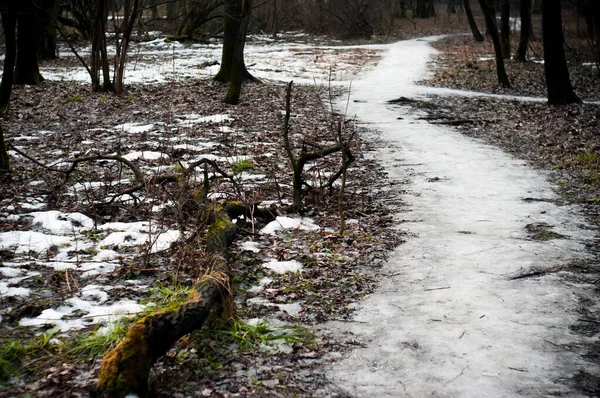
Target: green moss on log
(125,369)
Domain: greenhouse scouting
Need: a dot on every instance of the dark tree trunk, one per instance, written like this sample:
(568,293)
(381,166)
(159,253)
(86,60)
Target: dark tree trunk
(99,61)
(425,9)
(30,29)
(491,24)
(48,49)
(452,6)
(525,33)
(476,33)
(131,13)
(238,68)
(505,28)
(9,24)
(4,159)
(560,91)
(231,26)
(491,6)
(172,10)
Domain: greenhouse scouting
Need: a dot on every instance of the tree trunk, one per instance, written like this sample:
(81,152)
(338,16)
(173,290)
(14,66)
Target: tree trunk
(474,30)
(238,67)
(30,29)
(99,61)
(231,26)
(4,159)
(491,6)
(48,49)
(131,13)
(425,9)
(172,9)
(560,91)
(525,33)
(491,24)
(126,368)
(9,25)
(505,28)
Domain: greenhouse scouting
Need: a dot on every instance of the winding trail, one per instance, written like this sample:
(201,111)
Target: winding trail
(447,320)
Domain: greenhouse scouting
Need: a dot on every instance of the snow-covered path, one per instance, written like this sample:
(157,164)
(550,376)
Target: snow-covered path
(447,320)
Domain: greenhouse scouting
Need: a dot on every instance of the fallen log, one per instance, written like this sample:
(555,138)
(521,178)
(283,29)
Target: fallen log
(126,368)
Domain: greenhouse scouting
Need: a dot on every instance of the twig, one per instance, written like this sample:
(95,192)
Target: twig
(437,288)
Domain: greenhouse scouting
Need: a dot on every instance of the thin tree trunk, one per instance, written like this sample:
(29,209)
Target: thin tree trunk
(560,91)
(4,159)
(99,61)
(525,33)
(9,24)
(505,28)
(474,29)
(129,22)
(491,24)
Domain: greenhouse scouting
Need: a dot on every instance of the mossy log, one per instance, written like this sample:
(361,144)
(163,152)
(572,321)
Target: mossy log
(126,368)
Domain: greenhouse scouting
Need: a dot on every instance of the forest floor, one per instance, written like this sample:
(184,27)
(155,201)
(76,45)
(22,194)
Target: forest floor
(82,248)
(86,250)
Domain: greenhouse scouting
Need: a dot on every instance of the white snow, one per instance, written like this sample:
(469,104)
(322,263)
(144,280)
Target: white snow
(147,155)
(91,302)
(25,241)
(283,223)
(281,267)
(250,246)
(57,222)
(134,128)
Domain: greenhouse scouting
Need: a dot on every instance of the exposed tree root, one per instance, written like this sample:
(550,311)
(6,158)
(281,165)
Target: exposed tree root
(126,368)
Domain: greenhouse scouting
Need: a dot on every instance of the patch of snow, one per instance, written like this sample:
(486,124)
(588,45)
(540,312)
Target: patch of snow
(250,246)
(283,223)
(134,128)
(57,222)
(137,234)
(281,267)
(106,255)
(147,155)
(91,304)
(261,285)
(6,291)
(25,241)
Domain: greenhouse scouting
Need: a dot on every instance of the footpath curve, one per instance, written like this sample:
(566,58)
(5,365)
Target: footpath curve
(448,320)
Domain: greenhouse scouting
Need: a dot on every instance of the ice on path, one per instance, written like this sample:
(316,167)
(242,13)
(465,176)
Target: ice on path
(450,322)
